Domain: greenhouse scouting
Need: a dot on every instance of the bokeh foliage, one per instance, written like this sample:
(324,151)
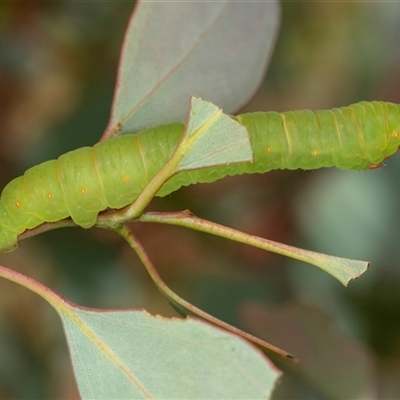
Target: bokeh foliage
(57,71)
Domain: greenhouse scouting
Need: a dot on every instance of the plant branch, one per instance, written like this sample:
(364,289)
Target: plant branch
(341,268)
(185,308)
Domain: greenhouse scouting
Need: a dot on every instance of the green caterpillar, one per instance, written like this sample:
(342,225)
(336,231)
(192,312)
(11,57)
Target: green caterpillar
(113,173)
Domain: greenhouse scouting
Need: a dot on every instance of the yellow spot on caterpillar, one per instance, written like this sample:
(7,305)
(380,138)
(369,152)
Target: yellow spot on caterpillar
(83,191)
(269,150)
(49,195)
(124,179)
(395,134)
(18,204)
(314,153)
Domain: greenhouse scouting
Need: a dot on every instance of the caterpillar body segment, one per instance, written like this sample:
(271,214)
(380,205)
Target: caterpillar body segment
(356,137)
(350,137)
(83,182)
(113,173)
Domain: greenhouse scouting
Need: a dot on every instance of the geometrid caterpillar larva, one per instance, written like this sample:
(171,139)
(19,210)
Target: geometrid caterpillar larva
(113,173)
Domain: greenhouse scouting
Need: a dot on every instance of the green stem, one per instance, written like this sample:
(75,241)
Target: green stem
(57,301)
(151,189)
(342,269)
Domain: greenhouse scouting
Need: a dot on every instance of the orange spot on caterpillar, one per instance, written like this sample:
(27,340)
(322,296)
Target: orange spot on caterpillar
(269,150)
(18,204)
(314,153)
(83,191)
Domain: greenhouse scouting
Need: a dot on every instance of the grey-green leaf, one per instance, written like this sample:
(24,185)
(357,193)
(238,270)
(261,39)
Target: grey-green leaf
(172,50)
(213,138)
(133,355)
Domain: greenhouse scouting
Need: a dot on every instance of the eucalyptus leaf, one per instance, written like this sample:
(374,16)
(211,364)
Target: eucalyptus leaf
(212,138)
(172,50)
(132,354)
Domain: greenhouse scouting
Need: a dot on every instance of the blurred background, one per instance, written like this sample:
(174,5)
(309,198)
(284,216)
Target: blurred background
(58,63)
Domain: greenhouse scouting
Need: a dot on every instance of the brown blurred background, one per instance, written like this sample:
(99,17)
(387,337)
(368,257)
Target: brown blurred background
(58,62)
